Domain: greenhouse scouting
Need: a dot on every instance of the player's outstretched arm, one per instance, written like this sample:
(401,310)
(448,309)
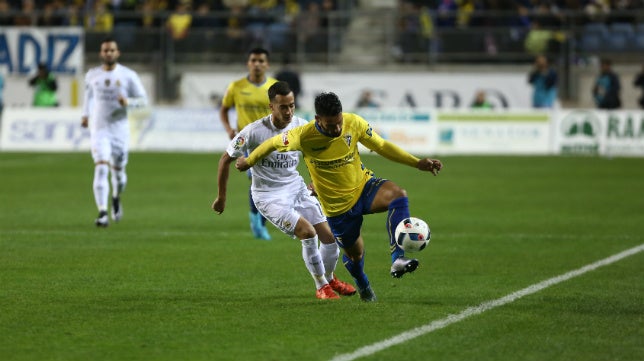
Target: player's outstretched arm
(222,183)
(393,152)
(430,165)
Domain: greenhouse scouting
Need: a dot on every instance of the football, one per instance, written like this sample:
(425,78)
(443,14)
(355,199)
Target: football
(412,234)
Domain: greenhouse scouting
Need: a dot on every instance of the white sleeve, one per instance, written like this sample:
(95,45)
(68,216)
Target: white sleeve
(87,97)
(136,96)
(239,145)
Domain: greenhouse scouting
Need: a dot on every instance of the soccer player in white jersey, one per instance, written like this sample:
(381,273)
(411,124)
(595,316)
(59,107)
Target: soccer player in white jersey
(281,195)
(109,90)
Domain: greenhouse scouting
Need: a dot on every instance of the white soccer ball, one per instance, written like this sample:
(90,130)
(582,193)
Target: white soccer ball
(412,234)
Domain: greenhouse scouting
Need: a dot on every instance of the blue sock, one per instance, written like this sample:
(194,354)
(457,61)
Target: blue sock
(398,210)
(357,271)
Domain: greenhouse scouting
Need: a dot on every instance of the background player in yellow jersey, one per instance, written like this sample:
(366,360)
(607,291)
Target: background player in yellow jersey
(249,97)
(346,189)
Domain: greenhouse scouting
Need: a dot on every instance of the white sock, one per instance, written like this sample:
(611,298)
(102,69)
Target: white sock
(101,186)
(330,254)
(119,180)
(313,260)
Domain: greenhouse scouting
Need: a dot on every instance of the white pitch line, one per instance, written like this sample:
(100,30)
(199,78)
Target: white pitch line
(485,306)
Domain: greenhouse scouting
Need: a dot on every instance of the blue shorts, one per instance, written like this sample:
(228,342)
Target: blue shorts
(346,226)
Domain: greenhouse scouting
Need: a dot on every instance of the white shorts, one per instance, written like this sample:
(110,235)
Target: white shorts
(110,148)
(284,208)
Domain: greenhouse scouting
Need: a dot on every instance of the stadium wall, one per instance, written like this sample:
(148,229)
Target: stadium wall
(420,131)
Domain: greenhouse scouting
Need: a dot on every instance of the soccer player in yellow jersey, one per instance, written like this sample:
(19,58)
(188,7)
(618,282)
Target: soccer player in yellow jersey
(249,97)
(346,189)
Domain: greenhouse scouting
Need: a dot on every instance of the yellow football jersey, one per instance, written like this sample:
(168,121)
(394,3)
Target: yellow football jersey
(250,100)
(335,166)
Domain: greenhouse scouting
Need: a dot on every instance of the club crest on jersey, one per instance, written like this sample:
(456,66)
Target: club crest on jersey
(287,224)
(285,138)
(240,142)
(107,82)
(369,130)
(347,138)
(118,83)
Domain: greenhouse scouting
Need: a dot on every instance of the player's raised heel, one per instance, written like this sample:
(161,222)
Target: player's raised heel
(403,265)
(117,209)
(326,293)
(102,220)
(341,287)
(367,295)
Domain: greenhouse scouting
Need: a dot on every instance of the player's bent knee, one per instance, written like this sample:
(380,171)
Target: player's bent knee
(304,229)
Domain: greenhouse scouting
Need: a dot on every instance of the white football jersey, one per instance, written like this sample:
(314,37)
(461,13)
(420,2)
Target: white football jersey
(278,169)
(102,88)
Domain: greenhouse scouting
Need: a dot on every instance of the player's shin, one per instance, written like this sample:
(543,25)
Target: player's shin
(330,253)
(313,261)
(101,186)
(398,210)
(356,269)
(119,181)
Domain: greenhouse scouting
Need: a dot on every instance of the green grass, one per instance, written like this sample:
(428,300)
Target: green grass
(175,281)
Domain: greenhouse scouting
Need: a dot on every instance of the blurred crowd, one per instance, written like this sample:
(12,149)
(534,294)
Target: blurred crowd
(422,26)
(532,26)
(243,21)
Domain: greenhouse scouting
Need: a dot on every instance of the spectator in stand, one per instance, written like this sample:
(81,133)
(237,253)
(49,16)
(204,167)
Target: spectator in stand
(538,38)
(6,19)
(366,100)
(480,101)
(99,20)
(607,87)
(447,10)
(597,10)
(45,86)
(328,24)
(180,20)
(72,15)
(149,14)
(237,39)
(27,15)
(308,27)
(543,79)
(204,28)
(639,82)
(52,14)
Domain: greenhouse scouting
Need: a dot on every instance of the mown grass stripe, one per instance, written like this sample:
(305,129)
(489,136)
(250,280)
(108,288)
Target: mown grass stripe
(485,306)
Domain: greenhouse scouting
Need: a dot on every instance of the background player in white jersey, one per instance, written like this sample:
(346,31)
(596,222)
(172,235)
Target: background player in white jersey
(248,96)
(281,195)
(109,90)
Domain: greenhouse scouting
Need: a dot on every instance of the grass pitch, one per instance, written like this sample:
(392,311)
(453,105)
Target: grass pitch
(175,281)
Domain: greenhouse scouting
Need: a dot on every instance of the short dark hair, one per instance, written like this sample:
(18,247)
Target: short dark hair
(327,104)
(108,39)
(257,51)
(279,88)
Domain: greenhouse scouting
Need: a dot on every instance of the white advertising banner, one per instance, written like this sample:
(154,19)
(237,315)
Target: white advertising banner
(44,129)
(427,132)
(413,131)
(179,129)
(493,133)
(22,48)
(595,132)
(389,90)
